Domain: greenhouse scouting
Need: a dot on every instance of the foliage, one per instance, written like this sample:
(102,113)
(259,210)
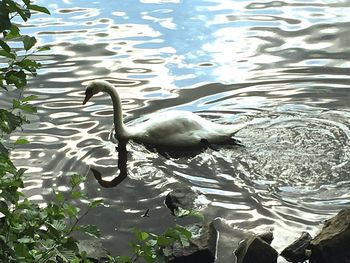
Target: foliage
(17,60)
(154,248)
(29,233)
(182,212)
(19,64)
(32,234)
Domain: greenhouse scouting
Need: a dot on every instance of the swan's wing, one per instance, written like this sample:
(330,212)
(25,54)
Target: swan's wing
(173,128)
(166,124)
(181,128)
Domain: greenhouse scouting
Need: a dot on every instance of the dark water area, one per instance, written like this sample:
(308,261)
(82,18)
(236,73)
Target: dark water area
(282,65)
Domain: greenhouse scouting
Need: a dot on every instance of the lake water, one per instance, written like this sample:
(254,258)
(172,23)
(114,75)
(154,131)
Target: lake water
(282,65)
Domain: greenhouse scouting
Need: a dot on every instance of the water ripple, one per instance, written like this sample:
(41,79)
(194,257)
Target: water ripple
(280,65)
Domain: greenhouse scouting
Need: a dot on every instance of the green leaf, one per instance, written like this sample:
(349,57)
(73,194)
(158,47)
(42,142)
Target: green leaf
(24,13)
(67,255)
(26,204)
(14,7)
(28,42)
(91,230)
(96,203)
(14,33)
(11,196)
(25,240)
(77,194)
(172,233)
(48,256)
(76,179)
(59,225)
(4,17)
(71,244)
(184,231)
(29,65)
(123,259)
(39,9)
(9,122)
(27,2)
(7,54)
(3,149)
(21,141)
(44,48)
(28,108)
(28,98)
(6,166)
(4,208)
(140,235)
(71,211)
(22,250)
(59,197)
(18,78)
(16,104)
(5,46)
(182,212)
(164,241)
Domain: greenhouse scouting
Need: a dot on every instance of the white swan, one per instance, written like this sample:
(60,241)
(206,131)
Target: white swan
(172,128)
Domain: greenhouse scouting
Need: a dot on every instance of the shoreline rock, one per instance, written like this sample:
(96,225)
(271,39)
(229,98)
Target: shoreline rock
(331,245)
(256,250)
(178,199)
(94,250)
(298,251)
(202,248)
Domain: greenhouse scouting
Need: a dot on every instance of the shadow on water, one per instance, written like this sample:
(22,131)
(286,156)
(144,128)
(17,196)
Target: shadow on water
(190,152)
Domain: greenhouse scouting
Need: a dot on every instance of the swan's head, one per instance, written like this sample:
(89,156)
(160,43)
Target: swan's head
(93,88)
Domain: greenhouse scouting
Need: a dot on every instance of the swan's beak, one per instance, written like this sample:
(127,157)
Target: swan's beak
(87,97)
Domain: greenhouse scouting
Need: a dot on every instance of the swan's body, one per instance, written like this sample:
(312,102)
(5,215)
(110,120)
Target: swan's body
(172,128)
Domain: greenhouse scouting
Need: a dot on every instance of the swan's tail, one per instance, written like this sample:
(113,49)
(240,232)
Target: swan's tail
(237,127)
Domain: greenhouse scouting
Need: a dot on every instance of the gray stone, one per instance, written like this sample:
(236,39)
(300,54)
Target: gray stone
(331,245)
(94,250)
(255,250)
(298,250)
(202,246)
(267,237)
(180,198)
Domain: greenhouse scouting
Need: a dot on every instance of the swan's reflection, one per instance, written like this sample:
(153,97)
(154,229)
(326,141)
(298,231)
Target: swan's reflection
(167,152)
(122,165)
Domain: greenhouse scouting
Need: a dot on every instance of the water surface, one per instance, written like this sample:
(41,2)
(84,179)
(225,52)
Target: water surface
(282,65)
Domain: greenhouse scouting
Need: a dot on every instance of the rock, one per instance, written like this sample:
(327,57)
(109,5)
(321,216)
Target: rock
(202,246)
(180,199)
(331,245)
(267,237)
(94,250)
(297,251)
(255,250)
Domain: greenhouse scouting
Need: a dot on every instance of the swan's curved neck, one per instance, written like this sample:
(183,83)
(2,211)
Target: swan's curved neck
(120,129)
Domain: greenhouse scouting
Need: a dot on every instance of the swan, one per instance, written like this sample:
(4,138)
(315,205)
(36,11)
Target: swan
(175,128)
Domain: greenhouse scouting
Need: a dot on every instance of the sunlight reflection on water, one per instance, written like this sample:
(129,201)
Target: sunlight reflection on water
(282,64)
